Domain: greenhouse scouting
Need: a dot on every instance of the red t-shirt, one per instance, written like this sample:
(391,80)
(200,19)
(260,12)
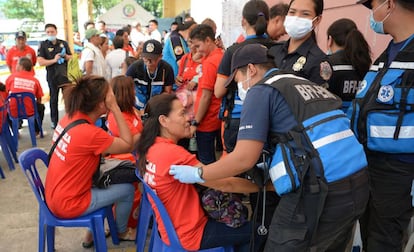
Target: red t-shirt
(210,65)
(14,54)
(72,165)
(188,68)
(23,81)
(135,126)
(181,200)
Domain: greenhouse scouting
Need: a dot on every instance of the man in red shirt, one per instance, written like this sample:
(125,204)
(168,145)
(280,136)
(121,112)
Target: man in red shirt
(24,81)
(21,49)
(206,123)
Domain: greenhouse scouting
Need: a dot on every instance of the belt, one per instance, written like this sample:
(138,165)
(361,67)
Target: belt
(357,179)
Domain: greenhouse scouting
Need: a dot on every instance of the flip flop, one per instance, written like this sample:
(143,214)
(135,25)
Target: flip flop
(130,235)
(90,244)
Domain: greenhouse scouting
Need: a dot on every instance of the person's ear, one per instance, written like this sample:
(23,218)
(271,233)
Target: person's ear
(252,70)
(163,120)
(330,41)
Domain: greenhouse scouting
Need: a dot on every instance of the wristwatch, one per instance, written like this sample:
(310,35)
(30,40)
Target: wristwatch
(194,123)
(200,172)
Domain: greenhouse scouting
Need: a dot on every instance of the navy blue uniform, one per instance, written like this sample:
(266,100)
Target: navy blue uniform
(308,61)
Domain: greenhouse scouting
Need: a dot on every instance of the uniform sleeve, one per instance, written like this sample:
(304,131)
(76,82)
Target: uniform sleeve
(34,58)
(42,50)
(209,75)
(39,91)
(9,58)
(225,64)
(169,78)
(68,52)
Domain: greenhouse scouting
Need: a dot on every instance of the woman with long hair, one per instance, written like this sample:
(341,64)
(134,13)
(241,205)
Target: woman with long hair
(69,188)
(165,123)
(349,55)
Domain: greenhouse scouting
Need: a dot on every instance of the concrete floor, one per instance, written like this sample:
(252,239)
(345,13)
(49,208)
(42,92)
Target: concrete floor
(19,208)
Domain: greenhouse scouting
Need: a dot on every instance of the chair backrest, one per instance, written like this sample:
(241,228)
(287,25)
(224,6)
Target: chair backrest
(175,243)
(19,98)
(3,114)
(27,162)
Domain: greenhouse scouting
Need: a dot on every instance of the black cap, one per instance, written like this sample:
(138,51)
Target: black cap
(248,54)
(184,26)
(20,34)
(152,49)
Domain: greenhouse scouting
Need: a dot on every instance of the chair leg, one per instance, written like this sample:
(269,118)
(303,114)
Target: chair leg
(1,173)
(32,121)
(112,225)
(99,235)
(50,237)
(6,152)
(42,233)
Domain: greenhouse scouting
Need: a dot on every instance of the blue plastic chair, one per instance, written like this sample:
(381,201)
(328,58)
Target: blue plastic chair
(22,114)
(156,244)
(47,221)
(8,147)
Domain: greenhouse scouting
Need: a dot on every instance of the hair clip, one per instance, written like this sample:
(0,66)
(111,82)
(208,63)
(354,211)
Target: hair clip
(144,116)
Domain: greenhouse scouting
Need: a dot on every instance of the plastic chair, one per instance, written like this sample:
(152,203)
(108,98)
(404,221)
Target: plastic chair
(47,221)
(156,243)
(22,114)
(7,143)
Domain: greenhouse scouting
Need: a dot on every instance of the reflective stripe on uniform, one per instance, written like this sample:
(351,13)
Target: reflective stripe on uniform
(342,67)
(332,138)
(277,171)
(388,131)
(402,65)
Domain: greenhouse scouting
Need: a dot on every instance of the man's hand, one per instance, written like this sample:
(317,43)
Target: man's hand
(186,174)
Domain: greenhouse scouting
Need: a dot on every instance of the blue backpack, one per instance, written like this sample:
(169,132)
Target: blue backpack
(321,145)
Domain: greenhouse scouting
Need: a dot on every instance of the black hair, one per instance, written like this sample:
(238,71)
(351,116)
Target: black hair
(101,22)
(25,63)
(406,4)
(153,21)
(89,22)
(346,34)
(50,25)
(280,9)
(158,105)
(202,32)
(87,92)
(120,32)
(318,8)
(118,42)
(256,14)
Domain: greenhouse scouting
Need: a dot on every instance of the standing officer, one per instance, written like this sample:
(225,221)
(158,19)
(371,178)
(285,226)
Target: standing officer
(383,119)
(320,214)
(54,54)
(301,54)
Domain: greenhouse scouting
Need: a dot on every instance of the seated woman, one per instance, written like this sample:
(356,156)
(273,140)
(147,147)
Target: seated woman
(69,188)
(165,122)
(124,91)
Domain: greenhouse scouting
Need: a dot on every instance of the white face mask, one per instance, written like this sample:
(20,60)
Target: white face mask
(297,27)
(241,91)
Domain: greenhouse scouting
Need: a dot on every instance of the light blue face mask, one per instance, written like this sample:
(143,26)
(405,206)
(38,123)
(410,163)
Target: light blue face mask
(377,26)
(51,38)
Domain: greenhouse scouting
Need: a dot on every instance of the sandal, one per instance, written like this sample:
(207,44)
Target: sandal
(89,244)
(128,235)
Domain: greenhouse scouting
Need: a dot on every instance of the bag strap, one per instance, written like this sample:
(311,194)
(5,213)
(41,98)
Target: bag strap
(71,125)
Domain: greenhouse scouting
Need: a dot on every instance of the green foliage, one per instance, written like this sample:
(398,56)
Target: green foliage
(30,9)
(153,6)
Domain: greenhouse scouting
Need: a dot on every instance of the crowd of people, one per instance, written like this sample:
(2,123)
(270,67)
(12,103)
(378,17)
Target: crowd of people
(317,138)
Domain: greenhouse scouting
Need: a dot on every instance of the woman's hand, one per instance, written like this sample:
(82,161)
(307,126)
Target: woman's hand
(110,100)
(179,80)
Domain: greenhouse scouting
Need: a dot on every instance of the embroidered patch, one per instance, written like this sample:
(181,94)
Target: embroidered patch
(178,50)
(386,93)
(150,47)
(325,70)
(299,64)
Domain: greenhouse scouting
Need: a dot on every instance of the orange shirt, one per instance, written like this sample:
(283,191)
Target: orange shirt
(23,81)
(135,126)
(210,65)
(72,165)
(14,54)
(181,200)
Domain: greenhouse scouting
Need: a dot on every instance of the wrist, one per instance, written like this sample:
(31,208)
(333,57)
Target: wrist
(200,172)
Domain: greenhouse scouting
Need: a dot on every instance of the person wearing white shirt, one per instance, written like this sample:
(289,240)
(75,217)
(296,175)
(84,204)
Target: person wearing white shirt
(153,30)
(92,60)
(115,58)
(137,36)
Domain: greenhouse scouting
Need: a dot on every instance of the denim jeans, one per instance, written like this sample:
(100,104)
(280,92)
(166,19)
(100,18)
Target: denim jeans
(122,195)
(206,147)
(217,234)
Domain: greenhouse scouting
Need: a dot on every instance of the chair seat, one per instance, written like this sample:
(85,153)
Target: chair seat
(147,214)
(47,221)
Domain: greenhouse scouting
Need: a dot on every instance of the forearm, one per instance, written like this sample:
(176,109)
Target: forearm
(219,89)
(46,62)
(233,184)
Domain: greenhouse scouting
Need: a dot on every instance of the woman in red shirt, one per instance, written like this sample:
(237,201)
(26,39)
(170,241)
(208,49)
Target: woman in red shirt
(69,190)
(165,123)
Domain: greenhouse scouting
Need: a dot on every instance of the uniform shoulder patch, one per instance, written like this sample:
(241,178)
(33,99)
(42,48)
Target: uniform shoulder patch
(325,70)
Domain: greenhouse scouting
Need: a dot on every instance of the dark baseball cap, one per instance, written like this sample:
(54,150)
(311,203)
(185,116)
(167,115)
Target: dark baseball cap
(20,34)
(152,49)
(248,54)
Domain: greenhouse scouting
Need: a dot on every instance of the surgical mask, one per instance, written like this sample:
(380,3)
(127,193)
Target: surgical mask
(51,38)
(297,27)
(377,26)
(241,91)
